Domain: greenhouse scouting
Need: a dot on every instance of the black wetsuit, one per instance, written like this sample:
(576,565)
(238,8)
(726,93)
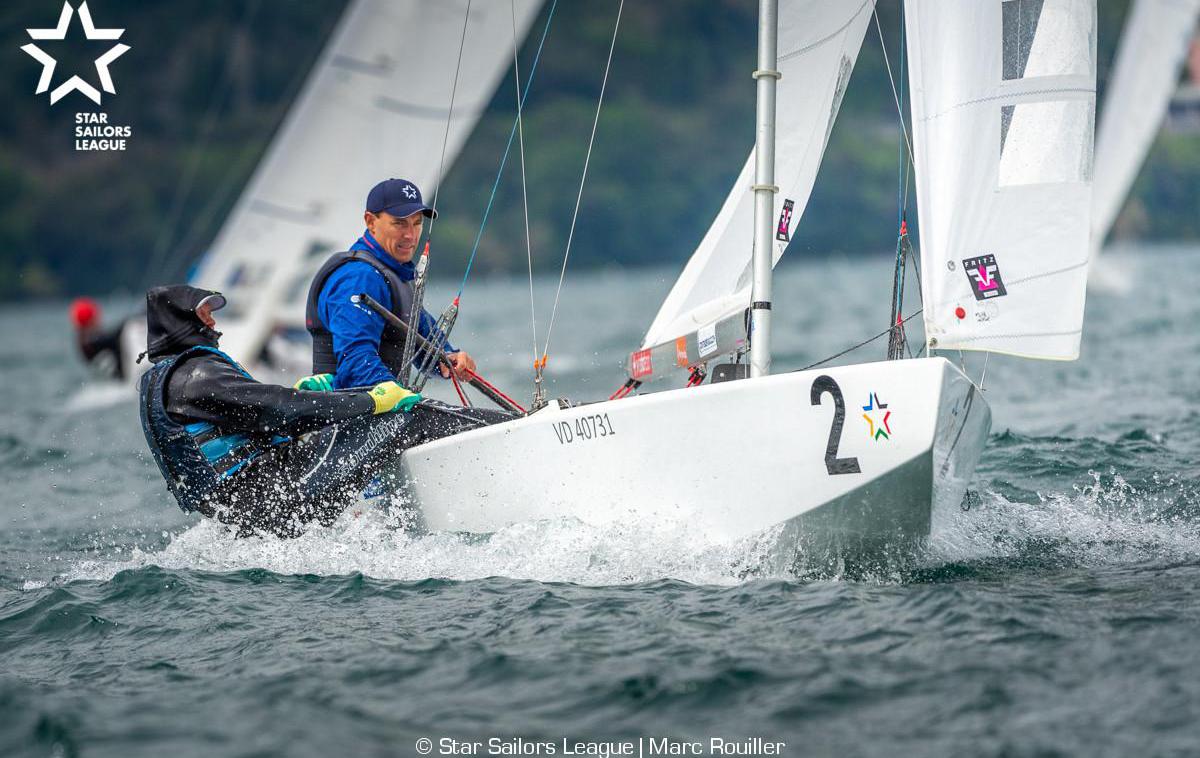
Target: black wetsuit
(336,446)
(261,456)
(102,351)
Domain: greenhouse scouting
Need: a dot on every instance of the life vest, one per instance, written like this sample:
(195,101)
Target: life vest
(194,458)
(391,343)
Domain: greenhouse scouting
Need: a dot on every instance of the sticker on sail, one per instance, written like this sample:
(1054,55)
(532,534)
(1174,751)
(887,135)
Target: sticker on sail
(783,232)
(681,356)
(984,275)
(640,364)
(878,418)
(706,340)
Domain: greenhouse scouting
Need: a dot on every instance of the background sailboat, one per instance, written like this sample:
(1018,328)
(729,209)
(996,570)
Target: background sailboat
(1153,48)
(376,104)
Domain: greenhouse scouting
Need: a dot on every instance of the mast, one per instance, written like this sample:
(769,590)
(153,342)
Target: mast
(764,187)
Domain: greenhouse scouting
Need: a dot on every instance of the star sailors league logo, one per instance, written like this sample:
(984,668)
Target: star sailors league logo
(75,83)
(878,418)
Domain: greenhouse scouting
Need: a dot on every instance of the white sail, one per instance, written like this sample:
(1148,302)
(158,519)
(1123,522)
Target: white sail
(1154,45)
(374,107)
(1003,111)
(819,42)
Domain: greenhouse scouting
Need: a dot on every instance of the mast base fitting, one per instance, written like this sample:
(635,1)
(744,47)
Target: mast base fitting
(762,73)
(729,372)
(767,187)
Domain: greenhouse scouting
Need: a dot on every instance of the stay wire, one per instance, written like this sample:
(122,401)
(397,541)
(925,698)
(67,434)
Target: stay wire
(864,343)
(892,80)
(524,183)
(418,303)
(166,236)
(504,160)
(583,179)
(449,115)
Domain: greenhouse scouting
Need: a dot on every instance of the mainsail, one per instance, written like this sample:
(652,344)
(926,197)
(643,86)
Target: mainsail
(375,106)
(1153,48)
(819,42)
(1003,111)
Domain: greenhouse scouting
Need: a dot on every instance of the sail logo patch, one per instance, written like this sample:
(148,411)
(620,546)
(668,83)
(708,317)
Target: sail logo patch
(640,364)
(878,418)
(706,340)
(984,275)
(783,231)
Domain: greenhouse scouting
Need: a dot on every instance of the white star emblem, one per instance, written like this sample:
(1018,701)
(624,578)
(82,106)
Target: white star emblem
(410,192)
(75,83)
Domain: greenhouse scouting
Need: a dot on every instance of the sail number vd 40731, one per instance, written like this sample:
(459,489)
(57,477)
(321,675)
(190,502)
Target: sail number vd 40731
(583,429)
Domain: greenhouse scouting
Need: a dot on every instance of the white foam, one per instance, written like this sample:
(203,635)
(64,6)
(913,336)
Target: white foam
(1105,522)
(371,543)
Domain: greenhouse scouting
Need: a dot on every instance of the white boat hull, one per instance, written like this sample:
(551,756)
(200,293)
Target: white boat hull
(731,460)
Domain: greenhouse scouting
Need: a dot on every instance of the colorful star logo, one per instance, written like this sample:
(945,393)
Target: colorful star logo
(877,427)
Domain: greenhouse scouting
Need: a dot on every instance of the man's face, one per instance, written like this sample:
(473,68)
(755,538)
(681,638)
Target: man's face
(398,236)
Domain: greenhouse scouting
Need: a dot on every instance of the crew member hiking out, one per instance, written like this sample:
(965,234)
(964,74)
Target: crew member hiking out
(352,343)
(258,456)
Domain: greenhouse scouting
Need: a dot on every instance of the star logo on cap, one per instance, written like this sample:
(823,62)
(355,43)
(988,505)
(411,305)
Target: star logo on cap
(410,192)
(75,83)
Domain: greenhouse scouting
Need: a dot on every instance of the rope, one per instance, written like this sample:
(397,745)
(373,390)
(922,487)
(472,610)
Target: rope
(462,396)
(583,179)
(504,160)
(493,388)
(449,113)
(861,344)
(524,182)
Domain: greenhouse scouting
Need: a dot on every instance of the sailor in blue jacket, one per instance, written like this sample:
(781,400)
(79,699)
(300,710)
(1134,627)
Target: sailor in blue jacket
(351,341)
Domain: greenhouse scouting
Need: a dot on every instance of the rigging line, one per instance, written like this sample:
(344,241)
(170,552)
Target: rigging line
(524,183)
(904,81)
(418,297)
(865,342)
(166,235)
(449,113)
(504,160)
(583,179)
(895,95)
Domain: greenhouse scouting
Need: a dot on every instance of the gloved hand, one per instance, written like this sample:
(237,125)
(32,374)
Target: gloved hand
(389,396)
(315,383)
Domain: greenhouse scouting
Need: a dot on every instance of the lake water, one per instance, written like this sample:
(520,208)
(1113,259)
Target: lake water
(1058,616)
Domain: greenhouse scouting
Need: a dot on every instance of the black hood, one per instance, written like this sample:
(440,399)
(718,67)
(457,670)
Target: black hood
(171,321)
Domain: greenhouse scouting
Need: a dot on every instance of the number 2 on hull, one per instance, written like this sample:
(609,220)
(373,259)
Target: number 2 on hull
(833,464)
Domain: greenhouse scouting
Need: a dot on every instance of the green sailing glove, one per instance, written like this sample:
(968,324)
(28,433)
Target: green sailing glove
(315,383)
(389,396)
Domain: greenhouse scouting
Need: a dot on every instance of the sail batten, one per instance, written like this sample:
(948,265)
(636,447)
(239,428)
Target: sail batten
(1003,111)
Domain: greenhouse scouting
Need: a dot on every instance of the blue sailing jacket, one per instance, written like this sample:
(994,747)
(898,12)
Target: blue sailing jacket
(357,329)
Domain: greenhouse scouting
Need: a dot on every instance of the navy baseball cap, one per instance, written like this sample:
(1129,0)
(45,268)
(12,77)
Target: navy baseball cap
(399,197)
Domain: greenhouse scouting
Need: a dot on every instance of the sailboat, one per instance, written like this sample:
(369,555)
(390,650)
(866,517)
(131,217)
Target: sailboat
(388,88)
(1003,99)
(1153,47)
